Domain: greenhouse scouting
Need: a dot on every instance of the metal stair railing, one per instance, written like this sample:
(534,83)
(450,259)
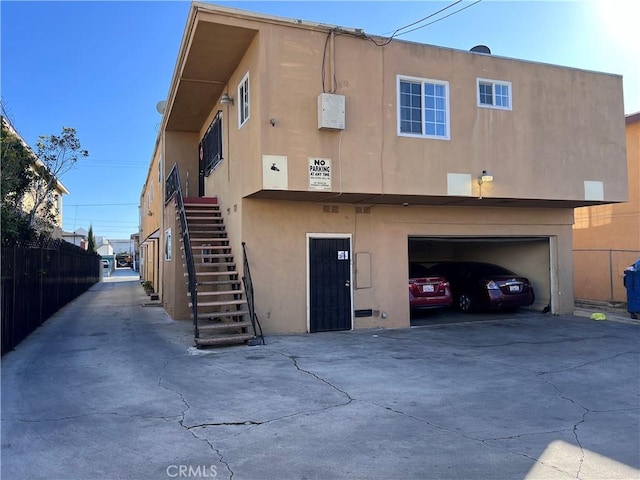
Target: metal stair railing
(248,289)
(173,189)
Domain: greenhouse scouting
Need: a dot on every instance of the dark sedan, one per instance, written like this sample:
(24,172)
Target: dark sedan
(484,286)
(427,291)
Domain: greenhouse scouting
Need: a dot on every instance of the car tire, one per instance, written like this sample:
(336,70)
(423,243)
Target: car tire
(466,303)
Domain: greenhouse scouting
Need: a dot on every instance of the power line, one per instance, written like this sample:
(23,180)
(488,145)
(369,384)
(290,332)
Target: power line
(362,35)
(441,18)
(422,19)
(338,31)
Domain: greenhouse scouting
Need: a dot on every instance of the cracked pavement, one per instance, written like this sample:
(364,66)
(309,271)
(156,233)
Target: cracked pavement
(109,389)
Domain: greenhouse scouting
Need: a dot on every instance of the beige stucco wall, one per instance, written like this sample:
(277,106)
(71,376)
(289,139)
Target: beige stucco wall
(174,298)
(607,237)
(240,146)
(276,236)
(545,148)
(537,150)
(181,148)
(151,201)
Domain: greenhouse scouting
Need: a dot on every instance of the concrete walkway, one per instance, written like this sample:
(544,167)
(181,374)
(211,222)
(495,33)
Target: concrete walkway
(111,389)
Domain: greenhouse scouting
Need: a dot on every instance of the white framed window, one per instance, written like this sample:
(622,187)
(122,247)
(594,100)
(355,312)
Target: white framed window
(243,101)
(494,94)
(423,108)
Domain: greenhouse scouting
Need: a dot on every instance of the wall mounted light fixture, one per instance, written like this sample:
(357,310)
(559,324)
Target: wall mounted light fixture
(484,177)
(226,99)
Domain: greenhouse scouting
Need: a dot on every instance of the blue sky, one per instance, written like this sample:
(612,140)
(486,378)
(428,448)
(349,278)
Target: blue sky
(101,67)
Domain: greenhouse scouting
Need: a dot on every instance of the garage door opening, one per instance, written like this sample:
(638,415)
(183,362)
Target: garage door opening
(525,256)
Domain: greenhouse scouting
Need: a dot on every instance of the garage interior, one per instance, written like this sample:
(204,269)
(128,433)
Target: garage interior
(527,256)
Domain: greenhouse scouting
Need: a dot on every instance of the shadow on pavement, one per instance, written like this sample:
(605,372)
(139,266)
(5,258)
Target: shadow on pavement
(445,316)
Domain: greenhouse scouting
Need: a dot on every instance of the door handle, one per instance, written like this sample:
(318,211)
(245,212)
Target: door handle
(347,283)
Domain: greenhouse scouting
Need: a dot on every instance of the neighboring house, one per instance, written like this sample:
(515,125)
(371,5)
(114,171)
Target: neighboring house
(606,238)
(122,246)
(103,246)
(78,237)
(55,196)
(336,158)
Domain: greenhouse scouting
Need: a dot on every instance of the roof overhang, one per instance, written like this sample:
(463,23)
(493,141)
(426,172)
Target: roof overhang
(369,199)
(211,49)
(214,42)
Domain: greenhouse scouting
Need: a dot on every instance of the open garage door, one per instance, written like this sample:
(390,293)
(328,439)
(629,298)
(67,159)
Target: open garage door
(526,256)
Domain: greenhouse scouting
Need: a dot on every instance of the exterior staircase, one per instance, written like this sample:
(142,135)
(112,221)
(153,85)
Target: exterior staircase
(220,309)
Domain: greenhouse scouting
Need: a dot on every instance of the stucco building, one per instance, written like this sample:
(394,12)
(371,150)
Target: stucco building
(606,238)
(337,157)
(49,210)
(78,237)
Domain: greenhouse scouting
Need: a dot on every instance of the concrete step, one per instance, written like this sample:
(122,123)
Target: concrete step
(213,264)
(222,303)
(219,282)
(213,255)
(218,293)
(200,248)
(203,316)
(222,326)
(202,275)
(224,339)
(204,217)
(196,226)
(196,204)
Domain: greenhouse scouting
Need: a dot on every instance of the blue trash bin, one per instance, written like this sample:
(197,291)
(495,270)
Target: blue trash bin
(632,284)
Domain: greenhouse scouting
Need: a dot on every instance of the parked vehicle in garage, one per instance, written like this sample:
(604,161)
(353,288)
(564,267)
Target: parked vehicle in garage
(484,286)
(427,290)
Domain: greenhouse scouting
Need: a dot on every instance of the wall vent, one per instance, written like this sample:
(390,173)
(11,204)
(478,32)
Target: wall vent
(330,209)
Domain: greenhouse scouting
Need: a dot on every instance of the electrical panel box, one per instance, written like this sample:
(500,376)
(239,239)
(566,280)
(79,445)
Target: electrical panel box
(331,111)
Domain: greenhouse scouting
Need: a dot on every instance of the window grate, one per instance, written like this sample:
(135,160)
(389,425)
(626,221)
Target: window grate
(211,145)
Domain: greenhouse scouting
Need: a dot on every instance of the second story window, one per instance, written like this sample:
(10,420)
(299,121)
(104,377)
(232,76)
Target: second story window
(423,108)
(494,94)
(211,146)
(243,101)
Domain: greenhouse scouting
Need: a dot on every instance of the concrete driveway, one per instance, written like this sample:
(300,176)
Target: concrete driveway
(111,389)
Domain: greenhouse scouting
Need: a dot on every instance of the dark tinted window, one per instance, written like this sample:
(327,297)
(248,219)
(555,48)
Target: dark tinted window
(489,269)
(416,270)
(463,269)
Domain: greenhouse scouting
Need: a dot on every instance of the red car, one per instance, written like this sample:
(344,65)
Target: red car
(427,290)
